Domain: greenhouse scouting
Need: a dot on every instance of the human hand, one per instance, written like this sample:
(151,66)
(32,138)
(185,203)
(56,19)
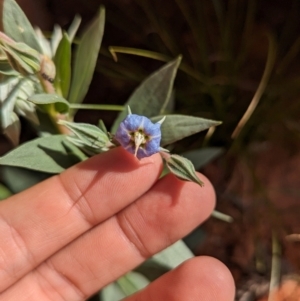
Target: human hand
(74,233)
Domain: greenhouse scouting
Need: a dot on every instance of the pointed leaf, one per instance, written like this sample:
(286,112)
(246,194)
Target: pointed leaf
(177,127)
(112,292)
(55,39)
(174,255)
(9,121)
(13,128)
(44,42)
(132,282)
(47,154)
(182,168)
(62,62)
(22,58)
(153,94)
(74,27)
(17,26)
(26,109)
(90,135)
(18,179)
(86,58)
(61,105)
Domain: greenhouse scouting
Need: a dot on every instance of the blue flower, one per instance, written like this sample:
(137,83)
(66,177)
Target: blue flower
(139,135)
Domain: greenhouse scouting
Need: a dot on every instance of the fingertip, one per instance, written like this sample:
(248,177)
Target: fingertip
(213,281)
(200,278)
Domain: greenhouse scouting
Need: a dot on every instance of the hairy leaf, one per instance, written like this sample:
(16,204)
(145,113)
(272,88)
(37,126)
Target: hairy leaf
(74,27)
(88,135)
(50,154)
(182,168)
(17,26)
(86,58)
(177,127)
(174,255)
(124,286)
(9,121)
(153,94)
(61,105)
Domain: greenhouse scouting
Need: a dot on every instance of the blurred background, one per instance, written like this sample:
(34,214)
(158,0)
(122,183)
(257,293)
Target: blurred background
(240,65)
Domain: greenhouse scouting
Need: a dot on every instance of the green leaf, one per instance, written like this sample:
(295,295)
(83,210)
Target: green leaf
(74,27)
(17,26)
(6,69)
(18,179)
(86,58)
(124,286)
(112,292)
(201,157)
(12,128)
(4,192)
(26,109)
(89,135)
(174,255)
(9,121)
(44,42)
(153,94)
(182,168)
(177,127)
(21,57)
(132,282)
(55,39)
(62,61)
(47,154)
(61,105)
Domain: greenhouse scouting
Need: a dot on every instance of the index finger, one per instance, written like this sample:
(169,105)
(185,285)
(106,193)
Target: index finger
(41,220)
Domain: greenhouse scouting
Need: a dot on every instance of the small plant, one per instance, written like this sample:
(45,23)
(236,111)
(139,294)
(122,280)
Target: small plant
(43,81)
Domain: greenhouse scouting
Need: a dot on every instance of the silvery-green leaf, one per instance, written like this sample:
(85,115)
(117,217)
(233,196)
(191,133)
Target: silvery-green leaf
(47,154)
(12,128)
(62,62)
(102,126)
(61,105)
(74,27)
(201,157)
(86,149)
(112,292)
(174,255)
(27,110)
(86,58)
(6,87)
(132,282)
(89,134)
(4,192)
(177,127)
(18,179)
(44,43)
(21,57)
(124,286)
(17,26)
(152,95)
(55,38)
(6,69)
(9,121)
(182,168)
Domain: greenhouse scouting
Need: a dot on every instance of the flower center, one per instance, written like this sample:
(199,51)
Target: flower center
(139,139)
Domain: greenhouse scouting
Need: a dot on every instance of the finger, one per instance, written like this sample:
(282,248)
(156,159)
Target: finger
(200,278)
(167,212)
(36,223)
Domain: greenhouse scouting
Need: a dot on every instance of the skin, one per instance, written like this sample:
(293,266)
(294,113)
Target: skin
(74,233)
